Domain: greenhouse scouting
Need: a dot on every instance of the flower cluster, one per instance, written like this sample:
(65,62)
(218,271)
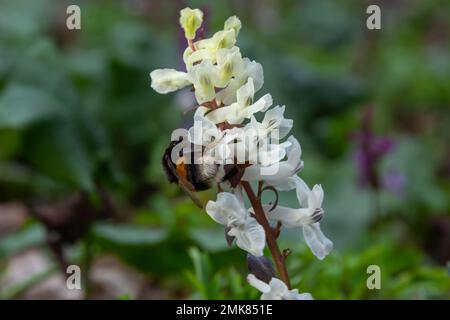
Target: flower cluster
(226,128)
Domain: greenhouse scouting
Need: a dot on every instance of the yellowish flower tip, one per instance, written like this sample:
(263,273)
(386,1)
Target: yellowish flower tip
(234,23)
(190,21)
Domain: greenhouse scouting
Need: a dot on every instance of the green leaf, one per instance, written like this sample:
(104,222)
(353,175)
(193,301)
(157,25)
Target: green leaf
(22,105)
(31,236)
(129,234)
(202,267)
(10,143)
(57,150)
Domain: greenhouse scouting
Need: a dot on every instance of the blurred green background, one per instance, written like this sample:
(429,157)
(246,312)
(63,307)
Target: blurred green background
(82,134)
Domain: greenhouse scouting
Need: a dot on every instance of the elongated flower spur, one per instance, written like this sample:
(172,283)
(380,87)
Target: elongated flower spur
(230,149)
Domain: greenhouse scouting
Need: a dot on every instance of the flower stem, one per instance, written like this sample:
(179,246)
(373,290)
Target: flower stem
(191,45)
(270,236)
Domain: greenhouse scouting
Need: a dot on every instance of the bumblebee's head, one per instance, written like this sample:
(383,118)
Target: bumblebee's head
(170,168)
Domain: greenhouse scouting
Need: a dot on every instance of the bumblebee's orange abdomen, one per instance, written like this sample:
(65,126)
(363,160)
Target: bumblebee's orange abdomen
(182,169)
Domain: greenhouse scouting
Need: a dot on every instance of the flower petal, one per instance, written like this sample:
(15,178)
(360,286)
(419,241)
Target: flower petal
(258,284)
(203,132)
(226,209)
(261,105)
(302,191)
(215,211)
(276,290)
(271,154)
(317,242)
(204,76)
(254,70)
(251,69)
(250,237)
(221,39)
(245,93)
(281,175)
(230,63)
(223,114)
(294,154)
(289,217)
(234,23)
(191,58)
(301,296)
(317,191)
(168,80)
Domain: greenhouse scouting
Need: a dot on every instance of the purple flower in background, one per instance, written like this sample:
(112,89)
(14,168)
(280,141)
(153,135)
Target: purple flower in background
(369,151)
(394,181)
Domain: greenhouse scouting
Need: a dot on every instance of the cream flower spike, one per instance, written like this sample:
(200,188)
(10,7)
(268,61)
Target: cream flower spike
(238,151)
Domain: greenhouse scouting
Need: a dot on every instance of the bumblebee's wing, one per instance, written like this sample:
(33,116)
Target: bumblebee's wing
(189,190)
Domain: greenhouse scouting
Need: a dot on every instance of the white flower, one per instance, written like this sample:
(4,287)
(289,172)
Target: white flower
(204,132)
(204,76)
(276,290)
(273,120)
(267,153)
(207,49)
(168,80)
(191,57)
(250,69)
(220,40)
(228,210)
(190,21)
(234,23)
(244,108)
(280,174)
(230,63)
(241,145)
(308,217)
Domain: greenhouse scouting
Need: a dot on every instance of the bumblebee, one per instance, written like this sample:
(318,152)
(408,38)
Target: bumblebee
(193,176)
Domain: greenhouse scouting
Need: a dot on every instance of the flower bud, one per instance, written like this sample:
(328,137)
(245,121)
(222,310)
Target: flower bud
(261,267)
(190,21)
(234,23)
